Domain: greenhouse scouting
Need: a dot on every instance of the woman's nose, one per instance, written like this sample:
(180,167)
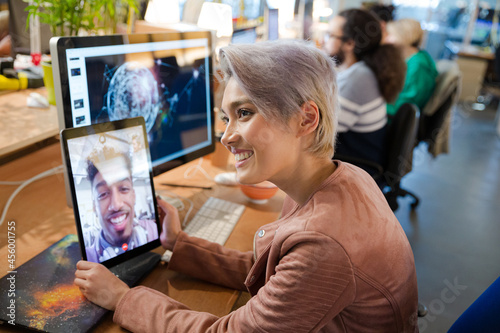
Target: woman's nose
(229,136)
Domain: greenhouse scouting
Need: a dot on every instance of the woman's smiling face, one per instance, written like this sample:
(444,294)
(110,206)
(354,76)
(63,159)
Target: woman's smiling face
(263,150)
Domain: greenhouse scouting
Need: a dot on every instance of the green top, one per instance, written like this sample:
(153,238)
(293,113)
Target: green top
(420,81)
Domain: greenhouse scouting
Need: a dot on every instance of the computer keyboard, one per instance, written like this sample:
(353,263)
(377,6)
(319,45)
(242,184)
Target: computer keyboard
(214,222)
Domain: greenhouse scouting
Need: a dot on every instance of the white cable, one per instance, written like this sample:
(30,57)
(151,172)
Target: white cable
(50,172)
(197,167)
(191,205)
(180,197)
(18,182)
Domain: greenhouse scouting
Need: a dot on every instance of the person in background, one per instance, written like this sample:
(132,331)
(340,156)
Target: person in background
(5,42)
(385,13)
(421,72)
(337,260)
(370,76)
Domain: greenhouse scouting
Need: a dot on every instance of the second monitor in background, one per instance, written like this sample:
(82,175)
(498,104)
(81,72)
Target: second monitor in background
(244,36)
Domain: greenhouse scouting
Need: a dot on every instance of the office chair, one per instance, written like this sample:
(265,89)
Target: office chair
(399,143)
(435,117)
(400,139)
(430,126)
(482,315)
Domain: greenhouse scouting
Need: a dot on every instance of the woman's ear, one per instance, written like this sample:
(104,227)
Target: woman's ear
(309,118)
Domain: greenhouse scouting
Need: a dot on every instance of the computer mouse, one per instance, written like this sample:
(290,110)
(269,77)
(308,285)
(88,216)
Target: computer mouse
(36,100)
(226,178)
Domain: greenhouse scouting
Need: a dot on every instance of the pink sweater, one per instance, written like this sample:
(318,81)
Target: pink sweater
(339,263)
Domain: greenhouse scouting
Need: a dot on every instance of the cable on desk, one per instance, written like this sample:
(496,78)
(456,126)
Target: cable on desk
(47,173)
(191,205)
(196,168)
(17,182)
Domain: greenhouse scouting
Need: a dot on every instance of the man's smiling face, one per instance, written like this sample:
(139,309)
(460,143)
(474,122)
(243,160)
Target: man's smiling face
(114,204)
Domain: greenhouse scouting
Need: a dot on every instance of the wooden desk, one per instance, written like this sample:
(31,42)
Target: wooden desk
(42,218)
(20,125)
(473,62)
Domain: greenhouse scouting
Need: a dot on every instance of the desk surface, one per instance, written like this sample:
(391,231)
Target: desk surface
(470,51)
(20,125)
(42,218)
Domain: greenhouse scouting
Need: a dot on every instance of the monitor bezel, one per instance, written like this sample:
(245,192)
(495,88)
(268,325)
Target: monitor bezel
(59,45)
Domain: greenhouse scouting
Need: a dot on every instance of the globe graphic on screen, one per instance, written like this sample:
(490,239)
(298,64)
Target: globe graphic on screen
(133,92)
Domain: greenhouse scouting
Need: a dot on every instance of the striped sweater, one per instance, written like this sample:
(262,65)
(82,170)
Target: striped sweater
(363,115)
(363,109)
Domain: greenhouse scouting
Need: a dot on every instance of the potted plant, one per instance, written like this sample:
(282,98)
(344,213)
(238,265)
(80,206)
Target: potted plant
(77,17)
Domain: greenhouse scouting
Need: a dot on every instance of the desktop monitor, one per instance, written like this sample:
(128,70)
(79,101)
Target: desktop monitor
(164,77)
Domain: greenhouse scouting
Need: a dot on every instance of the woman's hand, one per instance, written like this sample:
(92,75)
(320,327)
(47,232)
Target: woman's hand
(99,285)
(171,224)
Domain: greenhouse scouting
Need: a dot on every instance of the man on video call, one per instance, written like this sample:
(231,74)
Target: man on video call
(113,199)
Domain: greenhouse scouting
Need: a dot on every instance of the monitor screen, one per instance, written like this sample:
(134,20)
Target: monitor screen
(244,36)
(163,77)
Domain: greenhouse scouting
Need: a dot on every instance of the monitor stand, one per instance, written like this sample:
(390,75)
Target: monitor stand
(133,270)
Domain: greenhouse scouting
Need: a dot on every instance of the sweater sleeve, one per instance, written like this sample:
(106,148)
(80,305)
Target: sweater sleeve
(313,282)
(211,262)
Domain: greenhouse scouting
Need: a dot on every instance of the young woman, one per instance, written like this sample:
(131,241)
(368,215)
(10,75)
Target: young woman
(337,260)
(421,72)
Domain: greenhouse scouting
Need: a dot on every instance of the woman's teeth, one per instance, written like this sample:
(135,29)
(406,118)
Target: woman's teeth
(242,156)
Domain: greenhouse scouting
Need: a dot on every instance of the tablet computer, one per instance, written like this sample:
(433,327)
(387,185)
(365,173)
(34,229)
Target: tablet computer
(111,180)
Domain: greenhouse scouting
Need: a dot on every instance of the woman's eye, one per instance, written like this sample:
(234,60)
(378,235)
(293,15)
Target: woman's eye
(244,113)
(224,119)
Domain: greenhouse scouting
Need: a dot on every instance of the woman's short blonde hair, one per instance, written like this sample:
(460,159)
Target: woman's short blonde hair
(406,32)
(280,76)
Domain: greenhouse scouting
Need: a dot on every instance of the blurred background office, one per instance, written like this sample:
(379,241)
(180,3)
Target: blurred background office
(454,231)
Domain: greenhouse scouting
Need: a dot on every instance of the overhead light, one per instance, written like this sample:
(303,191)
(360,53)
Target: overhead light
(218,17)
(162,11)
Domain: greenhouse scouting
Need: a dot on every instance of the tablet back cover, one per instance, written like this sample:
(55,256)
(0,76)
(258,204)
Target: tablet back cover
(40,294)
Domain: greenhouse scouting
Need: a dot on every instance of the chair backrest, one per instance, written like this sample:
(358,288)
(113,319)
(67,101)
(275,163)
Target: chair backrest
(430,125)
(400,141)
(433,115)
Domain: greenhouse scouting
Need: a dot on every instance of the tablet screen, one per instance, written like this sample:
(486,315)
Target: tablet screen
(110,172)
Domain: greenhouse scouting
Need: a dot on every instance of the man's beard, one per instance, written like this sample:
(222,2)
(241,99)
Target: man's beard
(339,57)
